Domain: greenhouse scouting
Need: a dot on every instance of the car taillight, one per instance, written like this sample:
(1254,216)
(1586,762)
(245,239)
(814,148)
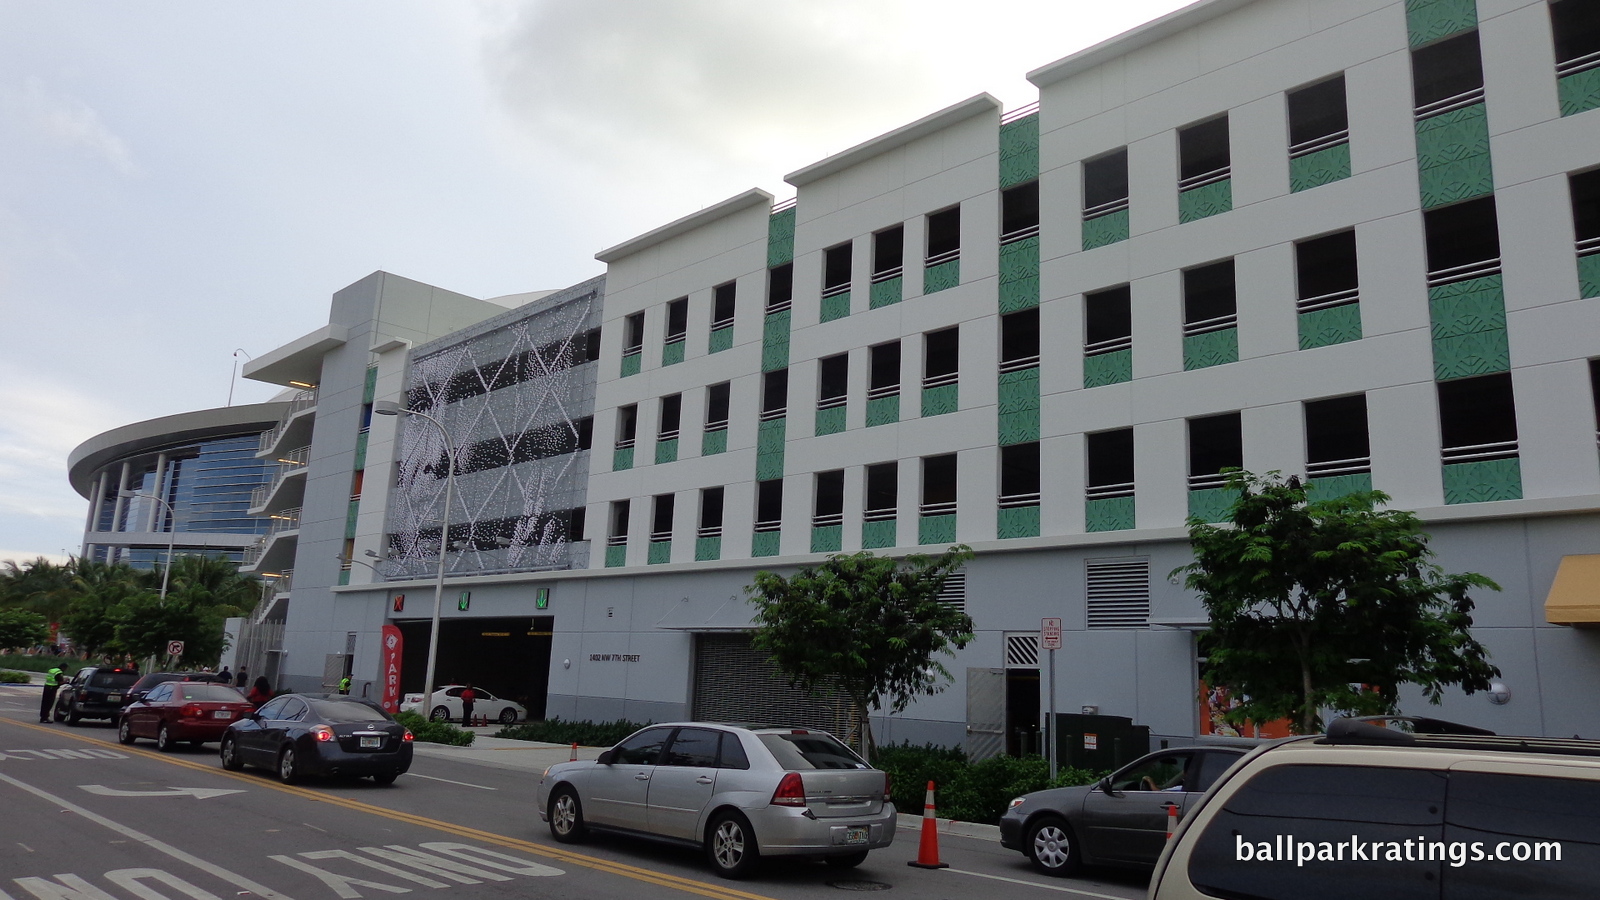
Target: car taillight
(888,785)
(409,736)
(323,732)
(191,711)
(791,791)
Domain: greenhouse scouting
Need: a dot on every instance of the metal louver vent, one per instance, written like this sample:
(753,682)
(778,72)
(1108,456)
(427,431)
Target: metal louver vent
(1119,592)
(1022,650)
(736,683)
(954,591)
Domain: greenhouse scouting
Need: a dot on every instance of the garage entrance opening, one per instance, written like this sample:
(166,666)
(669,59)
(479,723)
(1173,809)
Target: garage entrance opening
(508,656)
(738,684)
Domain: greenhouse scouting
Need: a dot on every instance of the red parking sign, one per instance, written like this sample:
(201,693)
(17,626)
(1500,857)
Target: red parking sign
(1050,634)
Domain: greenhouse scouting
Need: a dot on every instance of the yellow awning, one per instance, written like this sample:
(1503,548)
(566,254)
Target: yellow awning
(1575,596)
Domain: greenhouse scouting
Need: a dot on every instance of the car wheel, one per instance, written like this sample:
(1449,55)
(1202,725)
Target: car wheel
(566,816)
(386,778)
(164,741)
(1052,847)
(848,861)
(72,715)
(288,766)
(57,714)
(439,714)
(508,716)
(731,845)
(230,755)
(125,731)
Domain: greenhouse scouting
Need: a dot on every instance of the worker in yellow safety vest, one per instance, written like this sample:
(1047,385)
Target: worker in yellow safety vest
(344,685)
(52,683)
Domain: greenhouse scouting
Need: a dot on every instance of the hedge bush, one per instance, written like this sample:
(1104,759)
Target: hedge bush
(586,733)
(435,732)
(971,792)
(15,678)
(25,663)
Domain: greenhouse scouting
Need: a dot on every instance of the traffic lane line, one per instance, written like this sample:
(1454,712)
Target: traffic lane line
(662,879)
(1040,884)
(448,781)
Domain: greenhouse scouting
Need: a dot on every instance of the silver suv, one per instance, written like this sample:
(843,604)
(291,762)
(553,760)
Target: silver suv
(738,792)
(1395,808)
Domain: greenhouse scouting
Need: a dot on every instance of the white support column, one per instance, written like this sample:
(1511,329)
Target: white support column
(156,488)
(122,502)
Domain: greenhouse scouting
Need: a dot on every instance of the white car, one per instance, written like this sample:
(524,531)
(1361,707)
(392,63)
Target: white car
(446,705)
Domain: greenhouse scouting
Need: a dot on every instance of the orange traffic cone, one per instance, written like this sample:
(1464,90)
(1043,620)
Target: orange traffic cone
(574,752)
(1172,820)
(928,850)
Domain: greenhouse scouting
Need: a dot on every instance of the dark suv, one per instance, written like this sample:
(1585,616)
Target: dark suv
(95,693)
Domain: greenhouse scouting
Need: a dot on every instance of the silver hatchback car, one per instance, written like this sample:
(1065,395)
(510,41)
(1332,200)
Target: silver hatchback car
(740,792)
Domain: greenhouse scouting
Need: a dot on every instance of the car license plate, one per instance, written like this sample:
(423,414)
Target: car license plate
(856,835)
(222,714)
(371,743)
(113,698)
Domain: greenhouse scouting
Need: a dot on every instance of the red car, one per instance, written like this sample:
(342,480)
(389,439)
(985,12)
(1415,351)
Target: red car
(193,711)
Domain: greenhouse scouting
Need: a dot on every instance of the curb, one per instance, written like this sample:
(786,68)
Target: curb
(951,827)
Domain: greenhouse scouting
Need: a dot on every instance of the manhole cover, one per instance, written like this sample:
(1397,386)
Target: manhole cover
(860,885)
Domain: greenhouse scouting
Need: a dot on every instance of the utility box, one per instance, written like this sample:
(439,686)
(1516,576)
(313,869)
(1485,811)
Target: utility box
(1099,742)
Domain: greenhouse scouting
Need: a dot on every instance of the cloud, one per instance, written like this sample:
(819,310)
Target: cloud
(68,122)
(43,422)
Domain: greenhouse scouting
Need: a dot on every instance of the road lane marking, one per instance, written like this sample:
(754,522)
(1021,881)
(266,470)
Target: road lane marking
(53,755)
(197,793)
(448,781)
(1038,884)
(637,873)
(210,868)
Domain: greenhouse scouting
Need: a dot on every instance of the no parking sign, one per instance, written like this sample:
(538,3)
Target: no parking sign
(174,648)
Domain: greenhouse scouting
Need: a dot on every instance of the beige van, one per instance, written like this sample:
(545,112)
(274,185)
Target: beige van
(1395,809)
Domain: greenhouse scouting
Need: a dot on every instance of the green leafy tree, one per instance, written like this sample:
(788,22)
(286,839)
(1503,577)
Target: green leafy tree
(99,590)
(40,586)
(144,623)
(864,625)
(212,581)
(22,629)
(1328,604)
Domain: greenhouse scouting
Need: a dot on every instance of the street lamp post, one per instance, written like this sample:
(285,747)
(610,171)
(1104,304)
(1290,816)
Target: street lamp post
(172,532)
(391,408)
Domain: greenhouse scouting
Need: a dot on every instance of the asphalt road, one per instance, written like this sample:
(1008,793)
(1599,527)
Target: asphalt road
(84,818)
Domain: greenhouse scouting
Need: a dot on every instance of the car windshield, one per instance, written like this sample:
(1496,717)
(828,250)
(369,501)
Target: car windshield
(811,750)
(107,678)
(194,690)
(345,712)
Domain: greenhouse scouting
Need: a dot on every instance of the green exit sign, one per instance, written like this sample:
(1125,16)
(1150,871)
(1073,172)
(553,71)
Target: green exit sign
(464,601)
(541,600)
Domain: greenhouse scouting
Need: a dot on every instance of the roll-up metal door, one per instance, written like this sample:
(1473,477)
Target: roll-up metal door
(735,683)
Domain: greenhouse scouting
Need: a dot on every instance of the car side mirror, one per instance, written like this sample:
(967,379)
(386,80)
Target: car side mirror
(1105,786)
(136,696)
(607,757)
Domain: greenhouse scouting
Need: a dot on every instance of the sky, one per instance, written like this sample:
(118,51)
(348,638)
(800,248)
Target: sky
(185,184)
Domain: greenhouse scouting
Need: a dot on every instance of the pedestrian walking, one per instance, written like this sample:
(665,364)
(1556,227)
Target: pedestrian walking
(241,679)
(468,697)
(224,677)
(260,692)
(52,683)
(344,685)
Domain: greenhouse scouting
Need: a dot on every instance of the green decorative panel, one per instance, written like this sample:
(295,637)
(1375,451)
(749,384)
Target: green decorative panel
(1319,168)
(344,576)
(775,341)
(707,548)
(830,420)
(361,452)
(827,539)
(1108,514)
(1214,348)
(941,277)
(1331,486)
(884,293)
(714,442)
(876,535)
(616,556)
(660,552)
(350,516)
(666,451)
(1108,368)
(883,410)
(836,306)
(621,459)
(1579,92)
(1017,522)
(936,529)
(1589,275)
(1334,325)
(721,339)
(1019,275)
(937,401)
(774,356)
(1212,504)
(765,543)
(1107,229)
(369,388)
(630,364)
(1481,482)
(1469,328)
(1429,20)
(780,238)
(1205,201)
(769,449)
(1453,156)
(672,354)
(1019,151)
(1019,406)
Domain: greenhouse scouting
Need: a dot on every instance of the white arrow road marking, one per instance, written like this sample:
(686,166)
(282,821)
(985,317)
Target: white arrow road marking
(197,793)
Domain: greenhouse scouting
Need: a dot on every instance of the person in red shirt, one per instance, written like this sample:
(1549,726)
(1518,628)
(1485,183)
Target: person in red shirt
(260,692)
(468,697)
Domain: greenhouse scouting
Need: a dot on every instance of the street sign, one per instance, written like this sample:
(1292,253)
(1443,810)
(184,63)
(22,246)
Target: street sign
(174,648)
(399,602)
(541,600)
(464,601)
(1050,634)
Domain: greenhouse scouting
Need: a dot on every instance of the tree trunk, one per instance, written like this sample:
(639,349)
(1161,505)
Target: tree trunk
(1307,710)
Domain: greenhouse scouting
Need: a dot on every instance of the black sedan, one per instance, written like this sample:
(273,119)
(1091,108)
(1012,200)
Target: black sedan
(1122,821)
(295,735)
